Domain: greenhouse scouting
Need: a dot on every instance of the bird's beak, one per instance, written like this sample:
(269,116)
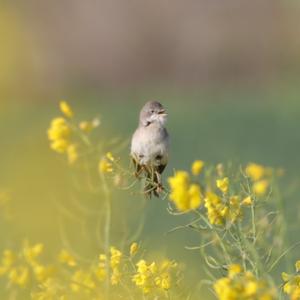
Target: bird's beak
(162,112)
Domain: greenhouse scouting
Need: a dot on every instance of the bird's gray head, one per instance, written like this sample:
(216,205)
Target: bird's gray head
(153,112)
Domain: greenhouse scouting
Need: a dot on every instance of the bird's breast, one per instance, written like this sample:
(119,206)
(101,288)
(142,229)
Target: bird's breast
(150,145)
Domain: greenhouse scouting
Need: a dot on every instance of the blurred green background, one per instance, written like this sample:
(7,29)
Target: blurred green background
(227,72)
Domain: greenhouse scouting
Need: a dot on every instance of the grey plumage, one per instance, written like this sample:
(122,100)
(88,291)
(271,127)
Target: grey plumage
(150,146)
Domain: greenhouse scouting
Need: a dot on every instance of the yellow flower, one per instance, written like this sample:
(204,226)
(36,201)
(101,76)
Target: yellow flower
(48,290)
(59,146)
(216,210)
(67,258)
(165,282)
(255,171)
(58,135)
(42,273)
(134,247)
(31,253)
(102,257)
(242,286)
(197,167)
(260,187)
(59,129)
(109,156)
(150,277)
(115,277)
(247,201)
(234,270)
(297,265)
(105,166)
(8,258)
(186,196)
(115,257)
(19,276)
(66,109)
(223,184)
(82,280)
(72,153)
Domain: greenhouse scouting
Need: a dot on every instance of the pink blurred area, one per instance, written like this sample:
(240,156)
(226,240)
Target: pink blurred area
(49,44)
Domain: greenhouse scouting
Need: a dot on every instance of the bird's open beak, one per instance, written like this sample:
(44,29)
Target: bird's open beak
(162,113)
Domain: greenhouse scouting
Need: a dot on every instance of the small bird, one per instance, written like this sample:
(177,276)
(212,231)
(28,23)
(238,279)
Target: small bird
(150,146)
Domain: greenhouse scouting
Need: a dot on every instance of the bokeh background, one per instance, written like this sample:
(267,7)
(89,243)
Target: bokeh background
(227,71)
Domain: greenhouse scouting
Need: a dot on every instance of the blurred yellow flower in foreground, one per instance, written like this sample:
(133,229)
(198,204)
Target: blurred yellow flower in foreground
(223,184)
(255,171)
(291,284)
(247,201)
(72,153)
(185,195)
(67,258)
(260,187)
(239,285)
(105,166)
(197,167)
(58,134)
(134,247)
(66,109)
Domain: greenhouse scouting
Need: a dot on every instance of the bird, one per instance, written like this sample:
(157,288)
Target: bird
(150,146)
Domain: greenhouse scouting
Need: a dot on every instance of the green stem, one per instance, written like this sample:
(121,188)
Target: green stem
(223,246)
(253,223)
(107,229)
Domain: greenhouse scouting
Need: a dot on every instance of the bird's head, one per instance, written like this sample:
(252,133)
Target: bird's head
(153,112)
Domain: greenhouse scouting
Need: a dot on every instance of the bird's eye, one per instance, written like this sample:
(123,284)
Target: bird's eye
(152,111)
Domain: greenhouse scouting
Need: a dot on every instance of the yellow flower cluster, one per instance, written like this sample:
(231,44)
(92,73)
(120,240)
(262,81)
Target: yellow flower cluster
(239,285)
(258,175)
(106,163)
(67,258)
(223,185)
(153,276)
(291,284)
(20,268)
(66,109)
(184,194)
(197,167)
(62,132)
(219,212)
(50,289)
(59,134)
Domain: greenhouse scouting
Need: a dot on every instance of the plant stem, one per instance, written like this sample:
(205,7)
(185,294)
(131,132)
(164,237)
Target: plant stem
(107,229)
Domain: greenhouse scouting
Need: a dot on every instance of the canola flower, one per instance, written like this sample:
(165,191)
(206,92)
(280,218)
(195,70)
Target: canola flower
(23,267)
(184,194)
(60,134)
(64,134)
(197,167)
(66,109)
(223,184)
(240,285)
(134,247)
(67,258)
(291,285)
(255,171)
(72,279)
(259,176)
(153,276)
(218,212)
(105,166)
